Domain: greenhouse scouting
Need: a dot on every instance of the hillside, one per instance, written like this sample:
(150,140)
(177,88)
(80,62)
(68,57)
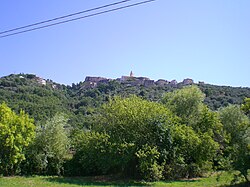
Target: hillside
(43,98)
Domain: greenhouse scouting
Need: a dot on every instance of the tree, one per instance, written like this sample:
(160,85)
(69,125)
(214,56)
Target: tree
(193,152)
(246,106)
(237,127)
(146,140)
(185,103)
(133,120)
(209,122)
(131,123)
(159,139)
(50,148)
(235,123)
(196,140)
(95,154)
(91,150)
(16,133)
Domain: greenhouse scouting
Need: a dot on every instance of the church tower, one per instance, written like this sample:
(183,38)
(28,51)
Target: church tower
(131,74)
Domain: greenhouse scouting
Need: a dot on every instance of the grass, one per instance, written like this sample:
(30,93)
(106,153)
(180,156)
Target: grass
(42,181)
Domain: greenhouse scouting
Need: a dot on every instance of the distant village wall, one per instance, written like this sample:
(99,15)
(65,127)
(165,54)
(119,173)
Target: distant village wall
(135,81)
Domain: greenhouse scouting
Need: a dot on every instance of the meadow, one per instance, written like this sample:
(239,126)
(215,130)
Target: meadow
(53,181)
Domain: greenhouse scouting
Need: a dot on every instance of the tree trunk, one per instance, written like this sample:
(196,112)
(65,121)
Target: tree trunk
(246,178)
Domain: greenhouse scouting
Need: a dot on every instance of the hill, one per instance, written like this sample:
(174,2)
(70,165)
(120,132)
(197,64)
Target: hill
(43,98)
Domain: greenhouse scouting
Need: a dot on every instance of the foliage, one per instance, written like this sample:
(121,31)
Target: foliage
(122,128)
(133,120)
(90,153)
(41,102)
(148,163)
(150,126)
(16,133)
(221,96)
(149,132)
(185,103)
(209,122)
(196,140)
(237,126)
(96,155)
(48,152)
(193,152)
(235,123)
(246,106)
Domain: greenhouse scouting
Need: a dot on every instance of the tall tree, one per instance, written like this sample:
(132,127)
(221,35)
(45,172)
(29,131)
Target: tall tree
(126,126)
(185,103)
(134,120)
(16,133)
(237,126)
(50,148)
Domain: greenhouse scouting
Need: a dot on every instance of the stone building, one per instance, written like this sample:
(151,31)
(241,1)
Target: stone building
(188,81)
(94,79)
(173,82)
(40,81)
(162,82)
(148,83)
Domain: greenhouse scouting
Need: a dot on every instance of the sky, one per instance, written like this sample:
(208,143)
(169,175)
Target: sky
(166,39)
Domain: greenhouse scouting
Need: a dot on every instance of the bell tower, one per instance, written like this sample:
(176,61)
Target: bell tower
(131,74)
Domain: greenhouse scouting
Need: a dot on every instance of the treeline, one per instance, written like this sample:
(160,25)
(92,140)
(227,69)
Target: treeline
(43,101)
(178,136)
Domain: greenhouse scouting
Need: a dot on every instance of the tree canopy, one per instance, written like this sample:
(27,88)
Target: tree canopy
(16,133)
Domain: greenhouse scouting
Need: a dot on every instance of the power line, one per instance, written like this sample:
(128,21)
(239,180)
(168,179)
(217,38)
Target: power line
(74,19)
(66,16)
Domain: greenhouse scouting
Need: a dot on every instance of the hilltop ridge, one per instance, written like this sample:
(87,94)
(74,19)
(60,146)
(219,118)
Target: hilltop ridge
(93,81)
(42,98)
(135,81)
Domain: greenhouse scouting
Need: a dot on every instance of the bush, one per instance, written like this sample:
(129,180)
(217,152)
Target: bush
(148,166)
(95,154)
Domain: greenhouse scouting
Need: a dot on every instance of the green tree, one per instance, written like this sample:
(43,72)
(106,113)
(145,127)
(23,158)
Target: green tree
(237,126)
(149,168)
(91,150)
(183,150)
(235,123)
(50,148)
(137,122)
(209,122)
(185,103)
(95,154)
(133,120)
(193,152)
(196,141)
(246,106)
(16,133)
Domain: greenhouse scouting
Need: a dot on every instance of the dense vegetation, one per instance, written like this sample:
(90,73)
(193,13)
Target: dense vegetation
(149,133)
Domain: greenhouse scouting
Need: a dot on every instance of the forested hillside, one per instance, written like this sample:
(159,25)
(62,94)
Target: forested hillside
(29,93)
(42,98)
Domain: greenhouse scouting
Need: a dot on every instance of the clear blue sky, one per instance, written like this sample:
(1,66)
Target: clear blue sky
(168,39)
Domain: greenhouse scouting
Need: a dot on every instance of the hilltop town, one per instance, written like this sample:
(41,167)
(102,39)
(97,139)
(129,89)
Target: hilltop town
(92,82)
(132,80)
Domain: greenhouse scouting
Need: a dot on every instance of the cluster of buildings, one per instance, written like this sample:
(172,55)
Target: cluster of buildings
(131,80)
(39,80)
